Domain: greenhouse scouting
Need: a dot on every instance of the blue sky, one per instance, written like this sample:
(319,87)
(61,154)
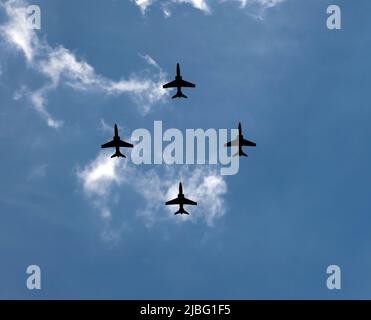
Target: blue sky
(98,229)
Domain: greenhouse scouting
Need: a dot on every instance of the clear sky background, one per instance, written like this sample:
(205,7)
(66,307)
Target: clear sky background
(98,227)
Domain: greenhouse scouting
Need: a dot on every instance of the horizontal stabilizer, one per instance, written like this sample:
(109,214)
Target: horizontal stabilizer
(118,155)
(181,211)
(180,95)
(240,153)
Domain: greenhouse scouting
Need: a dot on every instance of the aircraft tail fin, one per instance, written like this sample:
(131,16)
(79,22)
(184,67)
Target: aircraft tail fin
(179,94)
(181,211)
(118,154)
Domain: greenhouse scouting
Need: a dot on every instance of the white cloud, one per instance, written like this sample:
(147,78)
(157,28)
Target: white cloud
(166,11)
(150,61)
(104,178)
(100,176)
(143,4)
(38,99)
(104,127)
(38,171)
(17,31)
(264,3)
(203,5)
(198,4)
(61,67)
(98,179)
(257,8)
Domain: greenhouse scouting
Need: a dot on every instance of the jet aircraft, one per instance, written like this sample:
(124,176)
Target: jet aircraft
(240,142)
(181,201)
(179,83)
(117,143)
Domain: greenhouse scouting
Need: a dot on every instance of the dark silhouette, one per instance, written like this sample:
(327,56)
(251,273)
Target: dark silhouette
(240,142)
(179,83)
(117,143)
(181,201)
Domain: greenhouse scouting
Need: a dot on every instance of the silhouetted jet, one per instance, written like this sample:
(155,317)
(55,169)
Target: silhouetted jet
(179,83)
(117,143)
(181,201)
(240,142)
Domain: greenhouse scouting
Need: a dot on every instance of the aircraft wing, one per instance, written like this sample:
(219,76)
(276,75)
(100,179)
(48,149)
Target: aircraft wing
(189,202)
(248,143)
(172,84)
(124,144)
(233,143)
(110,144)
(174,201)
(186,84)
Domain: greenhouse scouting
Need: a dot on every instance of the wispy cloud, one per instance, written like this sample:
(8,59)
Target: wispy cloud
(39,171)
(16,31)
(143,4)
(257,8)
(101,175)
(203,5)
(106,128)
(59,66)
(264,3)
(103,178)
(38,99)
(198,4)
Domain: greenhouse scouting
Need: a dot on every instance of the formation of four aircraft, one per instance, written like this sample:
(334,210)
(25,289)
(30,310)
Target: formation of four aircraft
(179,83)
